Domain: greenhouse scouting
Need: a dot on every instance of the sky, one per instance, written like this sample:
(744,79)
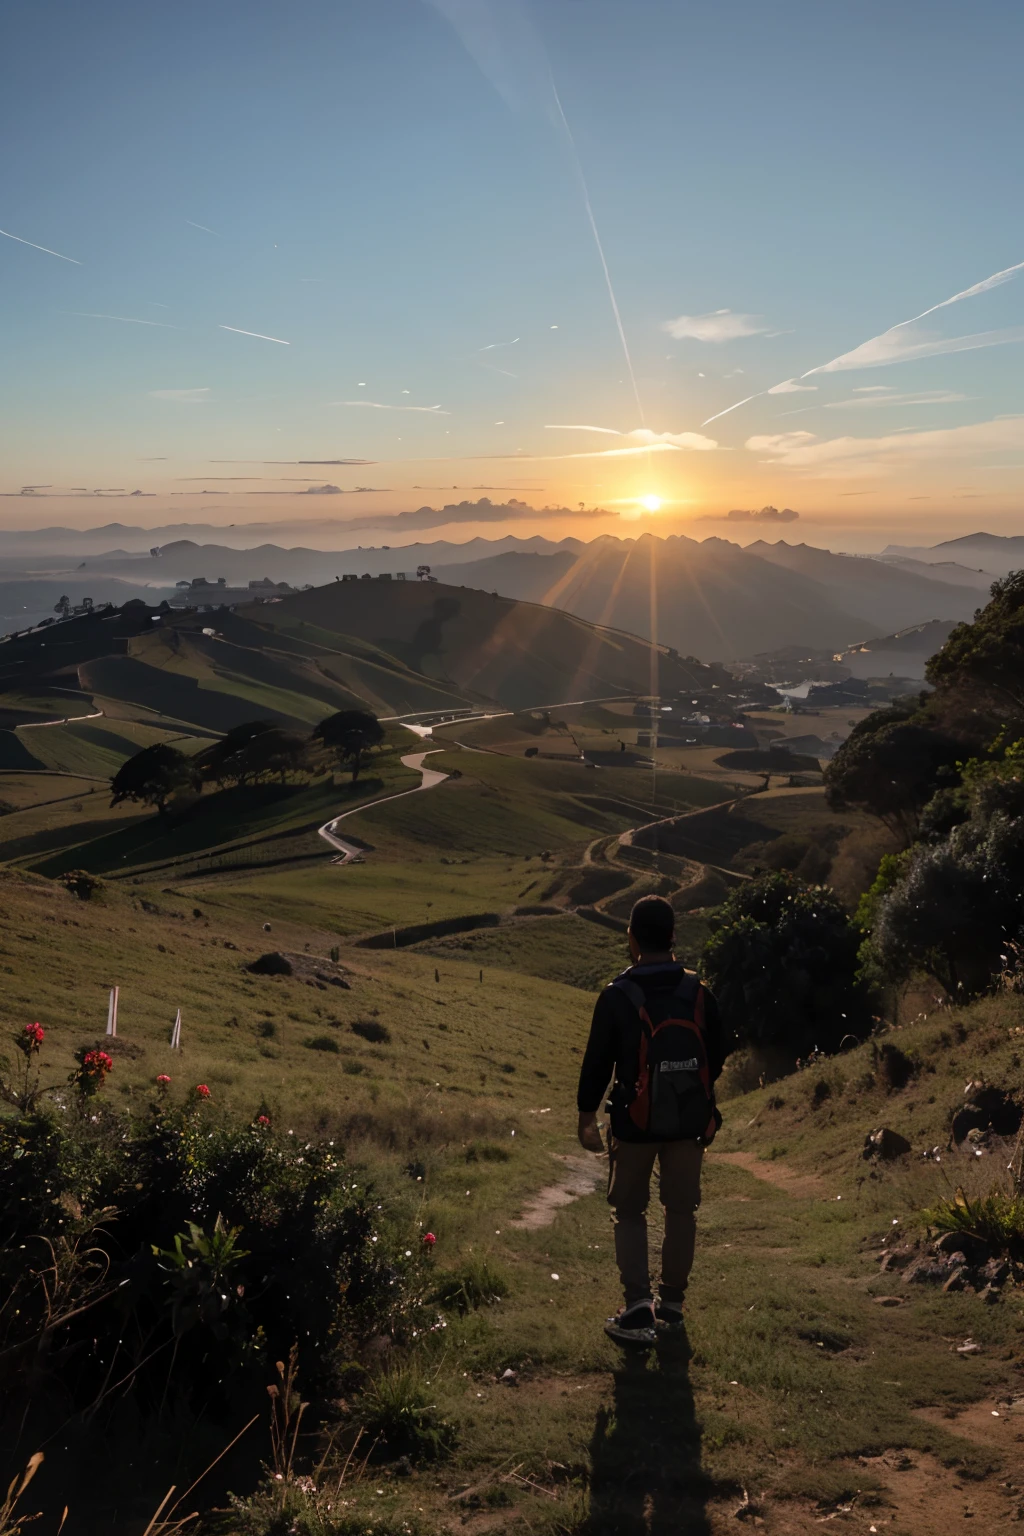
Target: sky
(644,261)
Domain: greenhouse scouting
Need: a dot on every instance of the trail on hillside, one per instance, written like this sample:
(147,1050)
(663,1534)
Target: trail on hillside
(778,1174)
(431,778)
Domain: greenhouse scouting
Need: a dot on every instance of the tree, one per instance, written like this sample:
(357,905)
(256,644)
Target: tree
(986,658)
(153,775)
(782,962)
(951,907)
(232,759)
(891,765)
(350,734)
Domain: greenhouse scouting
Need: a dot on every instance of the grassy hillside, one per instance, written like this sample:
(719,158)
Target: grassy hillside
(800,1388)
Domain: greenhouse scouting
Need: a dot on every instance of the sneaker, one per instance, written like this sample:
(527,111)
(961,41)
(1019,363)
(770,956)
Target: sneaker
(633,1325)
(669,1317)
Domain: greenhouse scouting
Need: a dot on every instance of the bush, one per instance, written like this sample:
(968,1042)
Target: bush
(322,1043)
(369,1029)
(997,1219)
(203,1247)
(782,961)
(396,1414)
(477,1284)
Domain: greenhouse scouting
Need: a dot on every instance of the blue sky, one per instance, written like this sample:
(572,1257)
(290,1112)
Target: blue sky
(390,189)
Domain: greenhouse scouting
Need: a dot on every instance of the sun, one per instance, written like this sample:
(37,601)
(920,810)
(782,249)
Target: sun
(651,503)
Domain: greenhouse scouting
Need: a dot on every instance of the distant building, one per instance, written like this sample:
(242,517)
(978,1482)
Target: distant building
(205,595)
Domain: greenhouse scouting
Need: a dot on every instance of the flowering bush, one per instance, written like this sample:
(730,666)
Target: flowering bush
(201,1091)
(163,1082)
(428,1239)
(30,1039)
(263,1120)
(93,1069)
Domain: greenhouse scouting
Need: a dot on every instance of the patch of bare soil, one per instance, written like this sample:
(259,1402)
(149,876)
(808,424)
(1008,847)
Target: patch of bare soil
(582,1176)
(803,1186)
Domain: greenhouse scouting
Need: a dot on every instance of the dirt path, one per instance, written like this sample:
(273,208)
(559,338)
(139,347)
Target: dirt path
(348,851)
(803,1186)
(581,1177)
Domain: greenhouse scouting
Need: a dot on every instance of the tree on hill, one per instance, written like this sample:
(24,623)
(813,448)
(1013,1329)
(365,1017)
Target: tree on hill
(891,765)
(782,960)
(351,735)
(251,752)
(987,656)
(954,907)
(153,775)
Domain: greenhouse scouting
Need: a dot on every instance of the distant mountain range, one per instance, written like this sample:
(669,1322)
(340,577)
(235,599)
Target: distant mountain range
(710,598)
(992,553)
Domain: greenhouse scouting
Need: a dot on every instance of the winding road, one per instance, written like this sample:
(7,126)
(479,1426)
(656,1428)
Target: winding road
(347,851)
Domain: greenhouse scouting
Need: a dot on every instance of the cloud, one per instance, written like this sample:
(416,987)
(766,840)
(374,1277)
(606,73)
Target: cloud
(721,325)
(764,515)
(482,511)
(377,405)
(84,314)
(492,344)
(900,345)
(203,227)
(891,348)
(683,440)
(257,334)
(321,490)
(835,458)
(871,401)
(791,387)
(500,37)
(315,463)
(183,396)
(44,248)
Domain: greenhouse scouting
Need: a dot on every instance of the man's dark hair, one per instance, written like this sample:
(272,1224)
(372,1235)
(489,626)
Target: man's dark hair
(652,923)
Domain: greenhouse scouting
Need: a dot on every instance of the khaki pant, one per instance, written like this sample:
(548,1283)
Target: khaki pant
(630,1165)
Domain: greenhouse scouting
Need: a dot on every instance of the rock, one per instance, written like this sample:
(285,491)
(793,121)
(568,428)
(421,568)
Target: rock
(897,1258)
(927,1272)
(989,1295)
(996,1272)
(888,1301)
(956,1282)
(968,1348)
(987,1108)
(974,1249)
(274,964)
(885,1144)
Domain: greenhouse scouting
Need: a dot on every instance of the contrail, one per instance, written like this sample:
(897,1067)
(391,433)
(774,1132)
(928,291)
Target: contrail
(492,344)
(203,227)
(87,314)
(7,234)
(600,248)
(995,281)
(258,335)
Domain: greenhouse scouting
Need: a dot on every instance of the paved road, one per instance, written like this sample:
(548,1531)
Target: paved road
(347,851)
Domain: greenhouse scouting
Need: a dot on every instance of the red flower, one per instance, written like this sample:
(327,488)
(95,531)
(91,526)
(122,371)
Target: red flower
(262,1119)
(30,1039)
(163,1080)
(36,1033)
(201,1091)
(428,1239)
(97,1063)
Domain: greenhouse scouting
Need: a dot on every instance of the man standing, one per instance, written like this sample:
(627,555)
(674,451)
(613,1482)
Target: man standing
(656,1034)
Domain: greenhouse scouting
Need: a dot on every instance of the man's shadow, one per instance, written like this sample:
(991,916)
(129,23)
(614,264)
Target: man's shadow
(646,1475)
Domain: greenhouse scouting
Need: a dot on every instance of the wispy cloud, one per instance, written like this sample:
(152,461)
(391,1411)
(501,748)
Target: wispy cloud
(721,325)
(183,396)
(44,248)
(891,347)
(492,344)
(309,463)
(874,400)
(378,405)
(84,314)
(259,336)
(792,387)
(835,458)
(683,440)
(203,227)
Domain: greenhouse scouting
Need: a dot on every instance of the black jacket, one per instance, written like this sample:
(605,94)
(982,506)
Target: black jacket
(614,1042)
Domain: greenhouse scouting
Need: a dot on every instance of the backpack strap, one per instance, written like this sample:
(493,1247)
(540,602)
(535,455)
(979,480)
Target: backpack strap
(633,991)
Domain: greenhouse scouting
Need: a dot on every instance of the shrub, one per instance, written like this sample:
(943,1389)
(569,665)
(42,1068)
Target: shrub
(322,1043)
(997,1219)
(224,1242)
(371,1030)
(477,1284)
(782,960)
(395,1412)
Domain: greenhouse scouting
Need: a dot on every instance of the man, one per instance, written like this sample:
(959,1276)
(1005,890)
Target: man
(657,1033)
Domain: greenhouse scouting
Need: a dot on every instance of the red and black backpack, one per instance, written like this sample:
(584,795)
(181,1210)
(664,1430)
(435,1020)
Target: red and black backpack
(673,1098)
